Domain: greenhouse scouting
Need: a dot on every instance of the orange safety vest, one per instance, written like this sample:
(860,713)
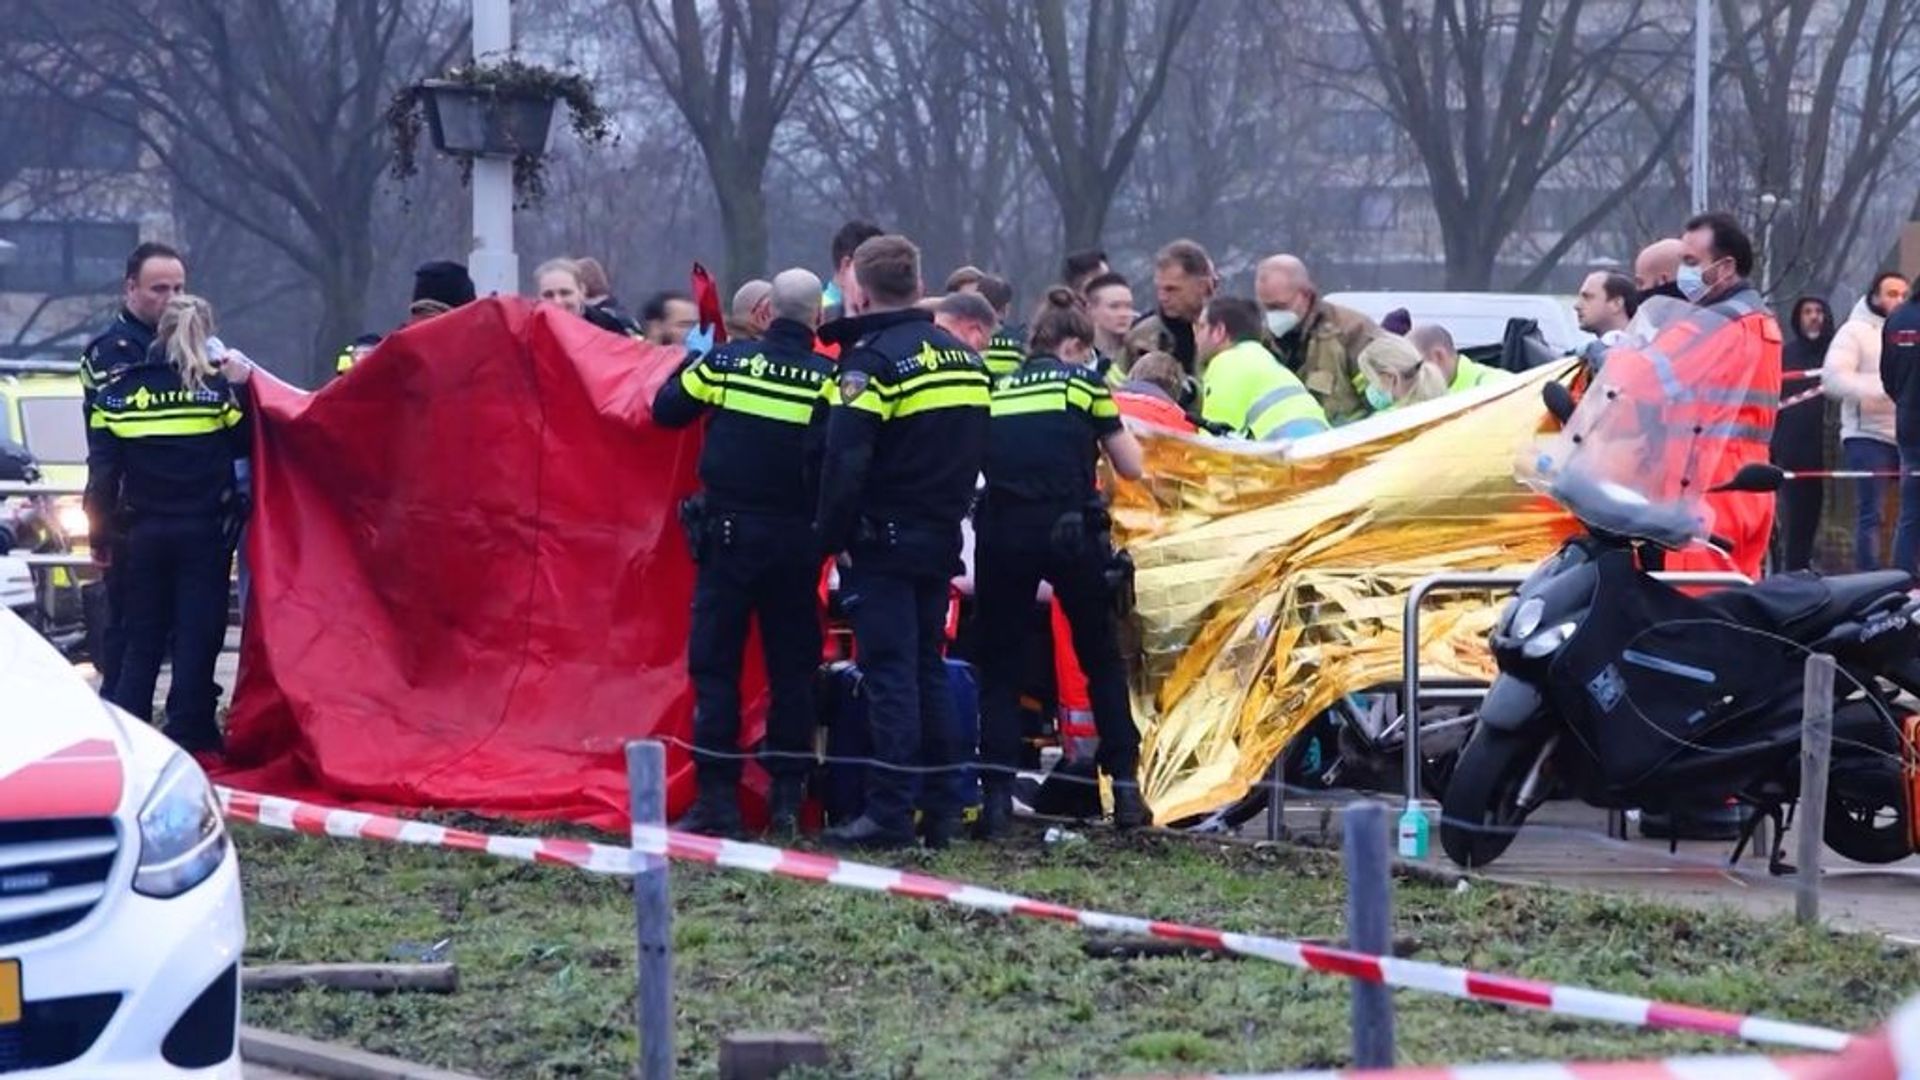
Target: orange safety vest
(1725,383)
(1150,409)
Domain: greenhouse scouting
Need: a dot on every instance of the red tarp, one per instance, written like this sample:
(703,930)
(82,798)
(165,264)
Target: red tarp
(470,588)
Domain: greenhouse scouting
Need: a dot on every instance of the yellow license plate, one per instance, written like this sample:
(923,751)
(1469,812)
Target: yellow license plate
(10,1000)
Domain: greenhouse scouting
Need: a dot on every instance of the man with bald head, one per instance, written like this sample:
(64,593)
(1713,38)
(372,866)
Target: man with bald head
(1655,268)
(752,310)
(750,530)
(1318,341)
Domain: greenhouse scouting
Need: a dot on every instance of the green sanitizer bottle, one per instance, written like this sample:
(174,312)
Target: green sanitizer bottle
(1413,832)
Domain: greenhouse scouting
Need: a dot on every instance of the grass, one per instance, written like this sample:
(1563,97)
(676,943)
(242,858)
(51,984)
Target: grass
(902,988)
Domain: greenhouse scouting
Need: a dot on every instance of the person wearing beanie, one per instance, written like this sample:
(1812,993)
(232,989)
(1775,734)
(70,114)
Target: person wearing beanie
(439,286)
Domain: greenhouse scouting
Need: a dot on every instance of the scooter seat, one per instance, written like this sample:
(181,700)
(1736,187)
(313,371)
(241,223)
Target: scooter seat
(1804,602)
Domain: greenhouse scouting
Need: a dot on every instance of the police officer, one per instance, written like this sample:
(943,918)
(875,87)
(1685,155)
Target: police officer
(1004,354)
(752,537)
(906,434)
(162,438)
(155,274)
(1043,520)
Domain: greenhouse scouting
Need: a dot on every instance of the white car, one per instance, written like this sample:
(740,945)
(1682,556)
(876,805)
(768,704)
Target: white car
(1475,318)
(120,919)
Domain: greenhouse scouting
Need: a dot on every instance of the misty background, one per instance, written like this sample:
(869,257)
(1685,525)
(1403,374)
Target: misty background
(1457,144)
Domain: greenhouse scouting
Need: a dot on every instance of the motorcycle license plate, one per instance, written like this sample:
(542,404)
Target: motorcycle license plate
(10,999)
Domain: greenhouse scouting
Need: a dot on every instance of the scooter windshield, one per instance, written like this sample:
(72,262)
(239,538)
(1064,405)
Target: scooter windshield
(1651,433)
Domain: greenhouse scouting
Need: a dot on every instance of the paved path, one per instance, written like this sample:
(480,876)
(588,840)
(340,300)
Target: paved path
(1566,844)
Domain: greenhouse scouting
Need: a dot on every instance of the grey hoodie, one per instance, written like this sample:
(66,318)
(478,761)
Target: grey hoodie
(1851,373)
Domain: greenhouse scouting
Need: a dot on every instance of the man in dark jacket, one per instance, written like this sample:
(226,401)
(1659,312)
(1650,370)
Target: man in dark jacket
(155,275)
(750,532)
(1900,374)
(1800,432)
(906,437)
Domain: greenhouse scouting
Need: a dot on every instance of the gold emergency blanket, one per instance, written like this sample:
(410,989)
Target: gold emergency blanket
(1270,582)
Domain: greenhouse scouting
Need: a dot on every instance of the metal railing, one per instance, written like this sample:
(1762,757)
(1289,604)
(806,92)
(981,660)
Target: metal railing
(1474,582)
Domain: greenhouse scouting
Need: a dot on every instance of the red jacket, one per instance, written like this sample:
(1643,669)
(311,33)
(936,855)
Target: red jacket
(1718,378)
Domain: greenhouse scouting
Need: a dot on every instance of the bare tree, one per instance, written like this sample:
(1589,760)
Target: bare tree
(734,68)
(913,136)
(1082,109)
(268,114)
(1828,91)
(1495,95)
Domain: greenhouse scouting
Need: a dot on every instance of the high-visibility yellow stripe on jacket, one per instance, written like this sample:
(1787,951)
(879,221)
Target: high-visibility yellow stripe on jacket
(1003,356)
(1247,389)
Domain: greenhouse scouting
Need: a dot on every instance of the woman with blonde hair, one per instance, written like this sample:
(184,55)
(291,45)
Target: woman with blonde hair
(162,439)
(558,281)
(1397,375)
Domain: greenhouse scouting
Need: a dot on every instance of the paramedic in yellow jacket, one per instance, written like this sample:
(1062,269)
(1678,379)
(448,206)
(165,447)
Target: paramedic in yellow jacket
(1460,372)
(1244,387)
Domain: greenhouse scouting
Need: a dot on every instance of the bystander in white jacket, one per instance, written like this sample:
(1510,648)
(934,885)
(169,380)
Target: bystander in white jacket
(1852,374)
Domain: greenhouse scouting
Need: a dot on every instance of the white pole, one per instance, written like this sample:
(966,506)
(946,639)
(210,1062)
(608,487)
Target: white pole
(1702,63)
(494,265)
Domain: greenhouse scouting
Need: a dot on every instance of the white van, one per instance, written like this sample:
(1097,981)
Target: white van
(1476,318)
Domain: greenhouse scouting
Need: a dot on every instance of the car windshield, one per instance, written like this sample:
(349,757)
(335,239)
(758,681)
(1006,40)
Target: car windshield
(1651,433)
(54,430)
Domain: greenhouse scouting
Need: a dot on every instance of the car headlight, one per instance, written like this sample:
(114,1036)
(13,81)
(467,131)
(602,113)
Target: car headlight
(72,519)
(1526,617)
(1548,641)
(182,839)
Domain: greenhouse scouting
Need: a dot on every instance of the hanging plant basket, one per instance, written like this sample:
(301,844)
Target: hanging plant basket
(486,121)
(494,110)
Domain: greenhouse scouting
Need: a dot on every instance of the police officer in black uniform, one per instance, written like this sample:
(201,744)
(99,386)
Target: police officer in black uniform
(750,528)
(906,433)
(162,438)
(155,275)
(1043,519)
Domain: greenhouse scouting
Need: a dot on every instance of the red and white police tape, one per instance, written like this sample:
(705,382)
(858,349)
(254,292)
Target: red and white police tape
(1890,1054)
(279,813)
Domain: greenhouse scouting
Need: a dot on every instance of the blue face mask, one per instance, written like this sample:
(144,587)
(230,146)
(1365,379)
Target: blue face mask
(1691,281)
(1377,399)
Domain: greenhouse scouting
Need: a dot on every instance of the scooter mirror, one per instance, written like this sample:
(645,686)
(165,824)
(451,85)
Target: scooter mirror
(1559,400)
(1755,476)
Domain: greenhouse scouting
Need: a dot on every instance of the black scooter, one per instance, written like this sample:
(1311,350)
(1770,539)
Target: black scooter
(1624,692)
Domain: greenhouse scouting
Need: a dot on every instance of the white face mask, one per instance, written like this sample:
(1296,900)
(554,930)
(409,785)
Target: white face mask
(1281,321)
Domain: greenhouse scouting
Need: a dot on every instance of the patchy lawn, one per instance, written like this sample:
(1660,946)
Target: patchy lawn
(902,988)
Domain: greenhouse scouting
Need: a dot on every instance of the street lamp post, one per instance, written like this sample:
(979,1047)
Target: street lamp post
(1702,132)
(1769,207)
(494,264)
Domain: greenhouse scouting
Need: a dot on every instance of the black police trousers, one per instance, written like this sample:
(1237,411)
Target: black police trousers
(765,567)
(896,594)
(109,645)
(1014,550)
(172,576)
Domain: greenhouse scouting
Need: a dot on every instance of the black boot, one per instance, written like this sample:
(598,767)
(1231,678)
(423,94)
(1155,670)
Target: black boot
(864,832)
(1129,809)
(783,806)
(712,815)
(940,830)
(996,810)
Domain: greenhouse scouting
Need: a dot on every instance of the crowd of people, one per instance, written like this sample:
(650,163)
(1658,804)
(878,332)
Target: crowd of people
(861,420)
